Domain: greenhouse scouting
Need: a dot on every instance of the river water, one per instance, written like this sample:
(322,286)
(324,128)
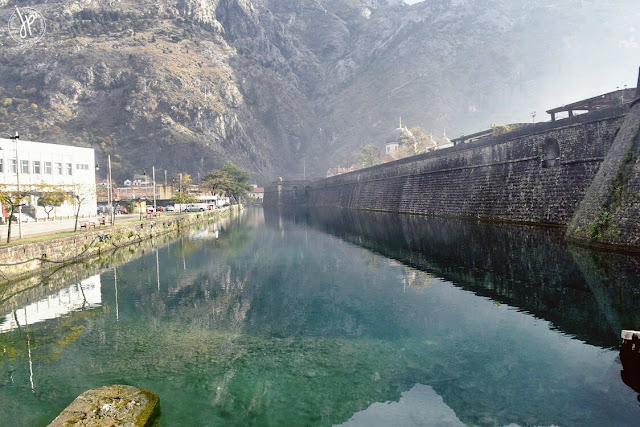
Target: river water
(332,317)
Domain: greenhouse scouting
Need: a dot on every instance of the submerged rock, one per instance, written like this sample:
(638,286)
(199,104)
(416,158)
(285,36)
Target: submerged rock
(121,405)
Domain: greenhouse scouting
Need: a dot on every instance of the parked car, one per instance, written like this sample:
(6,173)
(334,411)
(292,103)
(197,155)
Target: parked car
(159,209)
(149,209)
(170,208)
(121,210)
(196,207)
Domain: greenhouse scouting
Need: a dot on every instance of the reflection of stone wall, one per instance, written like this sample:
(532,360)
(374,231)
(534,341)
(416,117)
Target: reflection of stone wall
(580,292)
(506,177)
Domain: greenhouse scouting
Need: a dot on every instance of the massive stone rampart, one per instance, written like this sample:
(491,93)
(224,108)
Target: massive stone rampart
(609,214)
(537,174)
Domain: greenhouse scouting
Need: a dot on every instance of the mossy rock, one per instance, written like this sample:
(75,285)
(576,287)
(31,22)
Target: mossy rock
(121,405)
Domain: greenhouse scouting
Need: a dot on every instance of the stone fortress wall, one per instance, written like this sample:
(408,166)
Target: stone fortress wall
(539,174)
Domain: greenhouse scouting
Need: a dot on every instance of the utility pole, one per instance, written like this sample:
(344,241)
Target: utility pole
(112,210)
(153,177)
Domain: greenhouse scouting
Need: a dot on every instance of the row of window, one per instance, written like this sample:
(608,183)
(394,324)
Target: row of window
(35,167)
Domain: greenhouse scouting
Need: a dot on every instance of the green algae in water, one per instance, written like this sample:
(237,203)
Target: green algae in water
(295,327)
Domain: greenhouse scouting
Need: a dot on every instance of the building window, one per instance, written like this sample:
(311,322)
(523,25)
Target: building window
(1,166)
(59,168)
(24,166)
(69,169)
(36,166)
(47,168)
(13,163)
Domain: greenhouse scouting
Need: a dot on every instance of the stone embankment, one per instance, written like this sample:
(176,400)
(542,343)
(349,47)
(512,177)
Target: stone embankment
(20,261)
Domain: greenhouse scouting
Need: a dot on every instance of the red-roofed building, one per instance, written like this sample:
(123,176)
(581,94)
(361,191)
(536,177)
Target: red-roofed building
(257,194)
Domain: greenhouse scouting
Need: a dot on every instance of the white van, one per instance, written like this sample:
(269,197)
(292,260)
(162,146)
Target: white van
(196,207)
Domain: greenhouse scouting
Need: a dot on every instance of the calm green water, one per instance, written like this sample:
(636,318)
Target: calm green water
(325,317)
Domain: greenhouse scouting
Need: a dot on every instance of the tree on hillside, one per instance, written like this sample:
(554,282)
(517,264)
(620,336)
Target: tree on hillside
(12,199)
(370,156)
(502,129)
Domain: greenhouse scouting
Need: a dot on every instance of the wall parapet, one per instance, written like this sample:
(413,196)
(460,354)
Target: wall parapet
(541,128)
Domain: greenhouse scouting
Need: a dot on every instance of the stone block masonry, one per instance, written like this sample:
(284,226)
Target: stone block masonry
(609,214)
(538,174)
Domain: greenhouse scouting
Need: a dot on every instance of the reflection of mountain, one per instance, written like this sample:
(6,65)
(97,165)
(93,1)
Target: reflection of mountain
(79,296)
(529,268)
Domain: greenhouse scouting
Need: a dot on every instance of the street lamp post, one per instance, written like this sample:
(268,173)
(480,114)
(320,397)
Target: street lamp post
(153,177)
(112,209)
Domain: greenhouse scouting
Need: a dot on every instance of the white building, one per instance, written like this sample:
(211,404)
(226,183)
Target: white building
(32,164)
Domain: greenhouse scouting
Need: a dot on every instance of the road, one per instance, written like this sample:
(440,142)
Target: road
(30,229)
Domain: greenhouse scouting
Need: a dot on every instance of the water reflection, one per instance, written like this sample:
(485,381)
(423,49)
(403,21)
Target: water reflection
(419,406)
(630,359)
(299,325)
(79,296)
(589,295)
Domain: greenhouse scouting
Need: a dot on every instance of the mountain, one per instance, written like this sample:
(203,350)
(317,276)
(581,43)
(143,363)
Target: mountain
(185,85)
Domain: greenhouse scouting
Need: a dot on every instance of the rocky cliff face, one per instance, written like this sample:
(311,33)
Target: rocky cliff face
(188,84)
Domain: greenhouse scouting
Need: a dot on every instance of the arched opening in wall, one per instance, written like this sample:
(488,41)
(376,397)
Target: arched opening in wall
(551,153)
(307,193)
(295,191)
